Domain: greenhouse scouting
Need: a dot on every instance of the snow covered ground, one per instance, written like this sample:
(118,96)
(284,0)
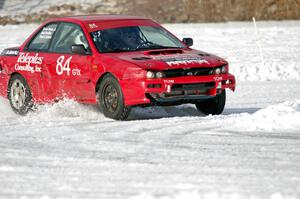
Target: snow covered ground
(69,150)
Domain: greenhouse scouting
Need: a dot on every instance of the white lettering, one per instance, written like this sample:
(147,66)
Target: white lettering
(181,59)
(11,52)
(218,78)
(61,66)
(76,72)
(29,63)
(169,81)
(26,58)
(92,25)
(24,68)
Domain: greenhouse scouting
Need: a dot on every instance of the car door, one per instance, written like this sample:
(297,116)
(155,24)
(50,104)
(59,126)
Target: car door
(33,58)
(71,71)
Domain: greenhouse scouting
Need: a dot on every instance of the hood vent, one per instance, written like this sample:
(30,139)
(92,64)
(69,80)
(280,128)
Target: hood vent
(165,52)
(141,58)
(203,54)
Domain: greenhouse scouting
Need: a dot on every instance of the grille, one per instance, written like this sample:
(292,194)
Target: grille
(188,72)
(184,87)
(189,89)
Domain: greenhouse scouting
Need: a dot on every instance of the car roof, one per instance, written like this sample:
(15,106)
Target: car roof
(104,21)
(100,17)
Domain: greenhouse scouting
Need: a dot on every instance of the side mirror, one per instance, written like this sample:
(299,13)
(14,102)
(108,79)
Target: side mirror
(188,41)
(79,49)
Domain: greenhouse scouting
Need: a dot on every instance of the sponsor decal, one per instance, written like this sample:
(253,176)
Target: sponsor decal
(169,81)
(47,32)
(29,63)
(63,66)
(180,59)
(168,84)
(218,78)
(92,26)
(11,52)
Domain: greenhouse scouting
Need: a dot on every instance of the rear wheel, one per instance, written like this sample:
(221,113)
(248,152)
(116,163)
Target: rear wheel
(214,106)
(111,100)
(19,95)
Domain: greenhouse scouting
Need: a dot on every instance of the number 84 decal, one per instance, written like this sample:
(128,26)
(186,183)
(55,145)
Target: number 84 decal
(63,65)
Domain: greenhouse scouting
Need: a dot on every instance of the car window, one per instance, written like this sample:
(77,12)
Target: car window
(134,38)
(42,40)
(68,34)
(159,36)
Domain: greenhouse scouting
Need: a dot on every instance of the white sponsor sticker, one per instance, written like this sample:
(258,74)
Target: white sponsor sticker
(218,78)
(47,32)
(29,63)
(181,59)
(11,52)
(92,25)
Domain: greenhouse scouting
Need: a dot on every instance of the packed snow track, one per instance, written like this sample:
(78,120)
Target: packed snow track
(252,150)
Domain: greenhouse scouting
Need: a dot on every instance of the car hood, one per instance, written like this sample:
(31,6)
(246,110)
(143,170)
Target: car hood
(166,59)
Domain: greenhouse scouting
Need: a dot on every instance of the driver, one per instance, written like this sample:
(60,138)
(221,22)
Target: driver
(131,38)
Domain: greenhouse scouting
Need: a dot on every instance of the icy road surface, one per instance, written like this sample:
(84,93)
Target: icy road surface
(69,150)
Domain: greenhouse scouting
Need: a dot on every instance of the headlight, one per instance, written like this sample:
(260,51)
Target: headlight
(223,69)
(159,75)
(220,69)
(217,71)
(153,74)
(150,75)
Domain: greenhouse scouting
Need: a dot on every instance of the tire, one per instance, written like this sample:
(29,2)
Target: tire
(19,95)
(214,106)
(111,99)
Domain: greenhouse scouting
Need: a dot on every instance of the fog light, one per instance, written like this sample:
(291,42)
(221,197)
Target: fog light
(150,75)
(223,69)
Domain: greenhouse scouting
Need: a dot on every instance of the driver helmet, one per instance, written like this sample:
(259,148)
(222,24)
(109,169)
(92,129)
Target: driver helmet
(130,36)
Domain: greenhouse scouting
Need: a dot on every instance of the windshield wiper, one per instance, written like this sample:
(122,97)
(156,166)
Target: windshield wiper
(162,47)
(118,50)
(156,46)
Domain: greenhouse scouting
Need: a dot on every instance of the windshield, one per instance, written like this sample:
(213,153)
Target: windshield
(134,38)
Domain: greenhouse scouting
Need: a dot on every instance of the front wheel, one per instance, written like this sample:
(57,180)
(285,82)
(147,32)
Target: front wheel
(214,106)
(111,99)
(19,95)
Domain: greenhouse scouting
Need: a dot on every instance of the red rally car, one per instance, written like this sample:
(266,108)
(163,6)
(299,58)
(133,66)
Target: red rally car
(117,62)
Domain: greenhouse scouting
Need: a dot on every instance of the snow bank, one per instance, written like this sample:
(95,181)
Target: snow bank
(281,117)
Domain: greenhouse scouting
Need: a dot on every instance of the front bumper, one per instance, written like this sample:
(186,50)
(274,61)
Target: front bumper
(185,89)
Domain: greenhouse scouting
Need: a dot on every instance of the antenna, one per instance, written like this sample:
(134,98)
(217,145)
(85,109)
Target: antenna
(258,43)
